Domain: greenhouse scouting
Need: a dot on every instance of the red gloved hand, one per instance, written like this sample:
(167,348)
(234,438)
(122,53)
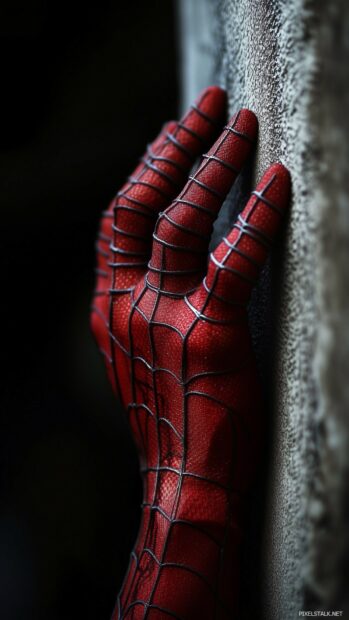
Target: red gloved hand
(178,352)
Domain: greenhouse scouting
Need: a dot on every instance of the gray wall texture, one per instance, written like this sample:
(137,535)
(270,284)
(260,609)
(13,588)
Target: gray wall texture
(287,60)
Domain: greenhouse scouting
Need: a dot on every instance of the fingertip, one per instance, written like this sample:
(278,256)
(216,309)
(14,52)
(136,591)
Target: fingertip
(249,123)
(212,101)
(278,178)
(213,91)
(246,122)
(280,170)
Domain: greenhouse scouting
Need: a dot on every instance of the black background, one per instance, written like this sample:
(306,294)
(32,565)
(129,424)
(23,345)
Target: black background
(84,88)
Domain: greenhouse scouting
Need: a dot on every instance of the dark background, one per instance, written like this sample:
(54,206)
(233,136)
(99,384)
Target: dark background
(84,88)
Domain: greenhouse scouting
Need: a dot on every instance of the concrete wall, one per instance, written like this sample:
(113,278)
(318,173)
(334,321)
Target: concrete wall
(287,60)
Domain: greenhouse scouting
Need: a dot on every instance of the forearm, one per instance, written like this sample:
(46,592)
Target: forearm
(185,561)
(195,477)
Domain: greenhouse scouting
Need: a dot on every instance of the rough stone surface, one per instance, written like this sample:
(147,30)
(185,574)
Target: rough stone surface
(287,60)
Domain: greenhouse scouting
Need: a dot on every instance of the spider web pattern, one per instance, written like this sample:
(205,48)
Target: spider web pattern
(195,414)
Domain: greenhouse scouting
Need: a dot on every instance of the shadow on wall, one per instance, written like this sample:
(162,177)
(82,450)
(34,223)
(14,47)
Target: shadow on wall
(85,88)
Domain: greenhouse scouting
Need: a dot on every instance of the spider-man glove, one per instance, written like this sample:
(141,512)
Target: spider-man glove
(172,326)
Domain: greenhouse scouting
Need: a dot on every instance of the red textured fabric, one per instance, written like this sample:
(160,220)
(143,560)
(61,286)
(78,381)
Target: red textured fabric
(172,326)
